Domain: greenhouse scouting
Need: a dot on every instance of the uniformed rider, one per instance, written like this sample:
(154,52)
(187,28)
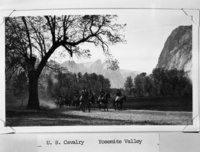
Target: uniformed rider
(84,93)
(76,94)
(118,94)
(90,93)
(101,94)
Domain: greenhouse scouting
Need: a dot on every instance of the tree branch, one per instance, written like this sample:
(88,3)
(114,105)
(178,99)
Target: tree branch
(51,29)
(69,50)
(28,35)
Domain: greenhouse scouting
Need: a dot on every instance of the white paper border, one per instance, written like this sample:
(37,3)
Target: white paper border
(156,128)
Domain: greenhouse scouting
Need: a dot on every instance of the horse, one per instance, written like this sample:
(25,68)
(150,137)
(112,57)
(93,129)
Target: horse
(59,102)
(70,101)
(91,101)
(76,102)
(118,104)
(88,104)
(66,101)
(62,102)
(104,100)
(84,103)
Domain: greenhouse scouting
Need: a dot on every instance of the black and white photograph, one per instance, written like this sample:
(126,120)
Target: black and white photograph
(127,67)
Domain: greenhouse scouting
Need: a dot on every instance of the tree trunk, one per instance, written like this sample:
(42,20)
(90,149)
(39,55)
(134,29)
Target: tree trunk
(33,101)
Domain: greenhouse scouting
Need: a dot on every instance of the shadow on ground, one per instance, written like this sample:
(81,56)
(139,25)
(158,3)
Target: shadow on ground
(55,117)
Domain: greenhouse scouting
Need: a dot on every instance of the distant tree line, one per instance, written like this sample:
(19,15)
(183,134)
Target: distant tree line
(161,82)
(65,84)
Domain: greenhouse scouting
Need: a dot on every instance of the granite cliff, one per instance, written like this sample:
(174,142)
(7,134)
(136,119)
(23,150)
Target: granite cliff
(177,51)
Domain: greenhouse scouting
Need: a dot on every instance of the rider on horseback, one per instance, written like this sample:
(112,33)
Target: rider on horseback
(82,99)
(118,95)
(84,92)
(91,94)
(76,95)
(76,98)
(101,94)
(91,98)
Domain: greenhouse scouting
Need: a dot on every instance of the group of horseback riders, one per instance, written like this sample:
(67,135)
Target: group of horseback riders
(86,100)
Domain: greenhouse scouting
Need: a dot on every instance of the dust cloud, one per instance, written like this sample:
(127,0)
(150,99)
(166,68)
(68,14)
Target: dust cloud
(49,104)
(14,103)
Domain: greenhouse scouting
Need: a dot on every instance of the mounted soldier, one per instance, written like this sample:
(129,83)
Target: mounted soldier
(61,101)
(103,99)
(100,98)
(101,94)
(119,99)
(83,99)
(118,95)
(57,101)
(106,100)
(66,100)
(91,99)
(76,99)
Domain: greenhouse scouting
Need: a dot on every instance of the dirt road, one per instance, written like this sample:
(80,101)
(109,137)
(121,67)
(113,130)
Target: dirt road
(68,116)
(136,116)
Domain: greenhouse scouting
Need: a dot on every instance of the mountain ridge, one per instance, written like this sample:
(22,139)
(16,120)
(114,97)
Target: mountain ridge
(117,77)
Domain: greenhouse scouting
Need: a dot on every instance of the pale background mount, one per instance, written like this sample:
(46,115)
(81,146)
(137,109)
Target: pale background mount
(169,141)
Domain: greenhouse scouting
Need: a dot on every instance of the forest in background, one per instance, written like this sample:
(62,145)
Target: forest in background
(161,82)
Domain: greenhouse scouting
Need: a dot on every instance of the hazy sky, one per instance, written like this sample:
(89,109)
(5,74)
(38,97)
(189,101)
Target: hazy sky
(146,33)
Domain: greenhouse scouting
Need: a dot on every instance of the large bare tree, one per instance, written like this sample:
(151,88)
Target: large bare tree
(31,41)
